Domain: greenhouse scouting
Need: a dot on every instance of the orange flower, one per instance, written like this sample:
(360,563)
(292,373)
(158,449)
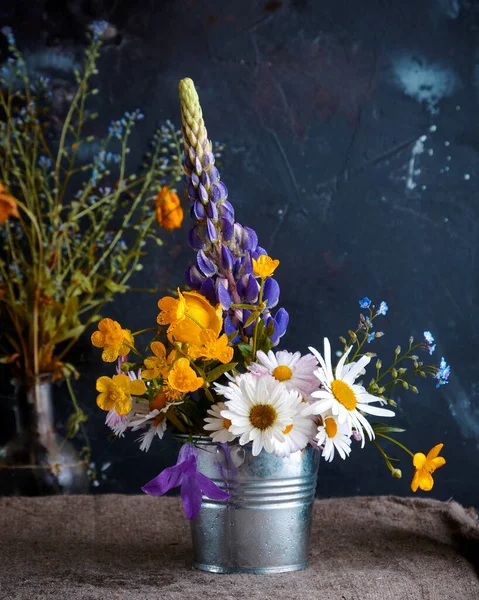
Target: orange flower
(8,205)
(425,467)
(264,266)
(114,340)
(116,392)
(188,315)
(183,378)
(169,213)
(212,347)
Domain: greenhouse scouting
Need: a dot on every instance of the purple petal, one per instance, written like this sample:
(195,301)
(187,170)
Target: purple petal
(230,327)
(191,496)
(210,489)
(164,482)
(205,180)
(198,166)
(258,252)
(223,190)
(227,211)
(193,277)
(226,258)
(214,174)
(198,211)
(248,331)
(223,295)
(271,292)
(206,265)
(207,289)
(281,321)
(187,451)
(250,239)
(195,180)
(212,211)
(252,289)
(203,194)
(195,239)
(192,194)
(227,229)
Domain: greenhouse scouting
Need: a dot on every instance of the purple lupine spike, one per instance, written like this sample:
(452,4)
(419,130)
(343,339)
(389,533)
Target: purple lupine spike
(271,292)
(211,231)
(226,258)
(205,264)
(193,277)
(195,239)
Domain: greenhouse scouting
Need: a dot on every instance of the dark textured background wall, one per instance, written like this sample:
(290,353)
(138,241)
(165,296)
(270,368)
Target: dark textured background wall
(352,147)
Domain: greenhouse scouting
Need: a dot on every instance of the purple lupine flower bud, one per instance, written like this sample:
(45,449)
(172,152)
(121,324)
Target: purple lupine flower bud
(187,165)
(212,211)
(250,239)
(198,166)
(248,288)
(271,292)
(223,190)
(203,194)
(226,258)
(227,211)
(214,174)
(215,192)
(207,289)
(211,230)
(198,211)
(195,180)
(193,277)
(222,293)
(192,195)
(226,229)
(247,264)
(206,265)
(205,180)
(194,239)
(281,320)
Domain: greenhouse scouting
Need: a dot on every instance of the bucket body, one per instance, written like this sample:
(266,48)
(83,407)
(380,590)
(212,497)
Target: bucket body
(265,526)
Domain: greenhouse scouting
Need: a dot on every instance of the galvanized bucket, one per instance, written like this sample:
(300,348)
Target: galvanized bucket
(265,526)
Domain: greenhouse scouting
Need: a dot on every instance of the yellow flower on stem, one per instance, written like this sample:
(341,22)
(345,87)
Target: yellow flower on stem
(264,266)
(114,340)
(156,366)
(188,315)
(116,392)
(183,378)
(212,346)
(425,467)
(169,213)
(8,205)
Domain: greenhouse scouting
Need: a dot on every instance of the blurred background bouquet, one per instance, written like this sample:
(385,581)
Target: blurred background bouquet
(75,219)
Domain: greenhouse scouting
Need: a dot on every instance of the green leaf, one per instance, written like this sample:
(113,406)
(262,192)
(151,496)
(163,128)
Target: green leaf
(116,287)
(251,319)
(219,370)
(245,349)
(387,429)
(72,334)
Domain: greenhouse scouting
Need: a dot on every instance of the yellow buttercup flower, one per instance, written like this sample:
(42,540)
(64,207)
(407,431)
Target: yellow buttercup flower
(183,378)
(114,340)
(264,266)
(169,213)
(116,392)
(425,467)
(188,315)
(157,365)
(213,347)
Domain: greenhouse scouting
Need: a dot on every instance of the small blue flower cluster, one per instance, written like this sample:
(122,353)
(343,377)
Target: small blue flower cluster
(98,28)
(366,321)
(430,345)
(100,162)
(366,303)
(443,372)
(8,33)
(45,163)
(117,128)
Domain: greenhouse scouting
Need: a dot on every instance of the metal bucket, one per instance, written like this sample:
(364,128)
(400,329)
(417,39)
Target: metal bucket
(265,526)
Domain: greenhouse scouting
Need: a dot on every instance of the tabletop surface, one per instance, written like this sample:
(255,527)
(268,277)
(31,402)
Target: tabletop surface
(138,547)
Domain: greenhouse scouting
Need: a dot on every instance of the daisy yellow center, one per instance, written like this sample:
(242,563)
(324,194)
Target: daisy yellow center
(331,427)
(226,423)
(262,416)
(344,394)
(288,429)
(282,373)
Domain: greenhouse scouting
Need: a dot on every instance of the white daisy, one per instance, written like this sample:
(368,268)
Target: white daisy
(120,423)
(342,397)
(294,371)
(218,425)
(158,427)
(259,409)
(298,434)
(332,436)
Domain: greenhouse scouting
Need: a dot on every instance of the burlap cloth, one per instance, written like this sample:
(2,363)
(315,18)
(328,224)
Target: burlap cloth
(137,547)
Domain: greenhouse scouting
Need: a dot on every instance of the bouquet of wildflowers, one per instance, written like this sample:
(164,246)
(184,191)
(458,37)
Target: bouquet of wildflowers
(65,251)
(210,368)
